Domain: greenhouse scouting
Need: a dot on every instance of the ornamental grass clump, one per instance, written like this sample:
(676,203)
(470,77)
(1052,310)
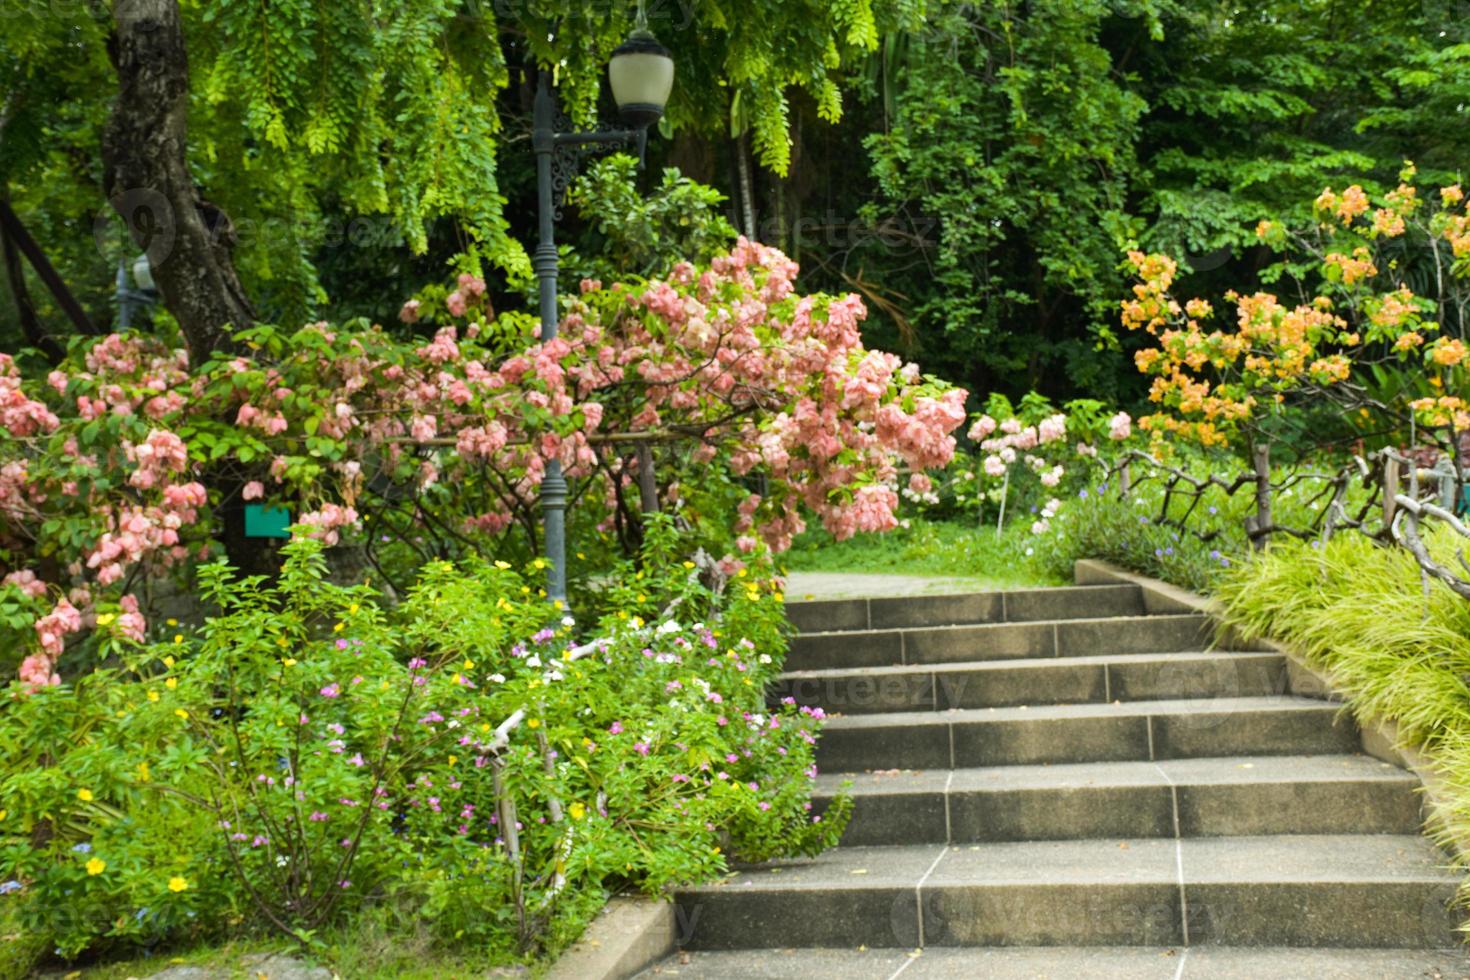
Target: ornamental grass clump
(473,755)
(1395,645)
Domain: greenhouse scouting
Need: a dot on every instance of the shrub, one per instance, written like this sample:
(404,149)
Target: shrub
(307,752)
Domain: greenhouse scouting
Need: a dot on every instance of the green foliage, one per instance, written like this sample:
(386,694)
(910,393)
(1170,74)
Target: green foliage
(307,754)
(643,233)
(1099,524)
(1013,132)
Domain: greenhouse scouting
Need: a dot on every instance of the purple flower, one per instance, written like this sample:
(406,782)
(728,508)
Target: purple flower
(356,760)
(317,816)
(330,691)
(616,728)
(640,747)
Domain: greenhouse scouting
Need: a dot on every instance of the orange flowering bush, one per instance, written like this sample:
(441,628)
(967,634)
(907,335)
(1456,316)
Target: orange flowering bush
(1355,272)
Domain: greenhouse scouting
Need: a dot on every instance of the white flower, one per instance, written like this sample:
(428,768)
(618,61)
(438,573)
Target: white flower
(764,658)
(669,627)
(498,678)
(568,621)
(533,661)
(553,675)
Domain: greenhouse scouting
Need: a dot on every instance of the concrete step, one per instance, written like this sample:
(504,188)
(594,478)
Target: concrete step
(1047,680)
(1384,891)
(1025,605)
(1067,963)
(1003,641)
(1174,798)
(1127,731)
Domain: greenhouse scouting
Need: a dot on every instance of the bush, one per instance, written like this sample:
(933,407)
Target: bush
(1126,531)
(306,754)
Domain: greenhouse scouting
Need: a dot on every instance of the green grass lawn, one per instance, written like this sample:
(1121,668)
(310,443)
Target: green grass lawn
(926,548)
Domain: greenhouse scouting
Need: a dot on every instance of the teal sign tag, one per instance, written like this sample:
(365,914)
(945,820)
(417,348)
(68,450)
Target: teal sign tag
(267,522)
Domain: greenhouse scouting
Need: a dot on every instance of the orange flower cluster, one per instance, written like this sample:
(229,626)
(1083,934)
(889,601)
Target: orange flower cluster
(1208,380)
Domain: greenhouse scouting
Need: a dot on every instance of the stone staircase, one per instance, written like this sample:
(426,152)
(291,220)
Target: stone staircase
(1053,783)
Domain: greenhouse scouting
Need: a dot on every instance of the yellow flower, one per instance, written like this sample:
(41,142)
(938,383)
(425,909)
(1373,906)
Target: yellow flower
(577,811)
(581,556)
(338,628)
(168,661)
(352,609)
(177,884)
(85,795)
(96,866)
(171,621)
(105,618)
(144,775)
(152,695)
(453,759)
(288,662)
(689,564)
(182,713)
(178,637)
(171,683)
(502,565)
(484,726)
(280,641)
(533,723)
(4,814)
(469,664)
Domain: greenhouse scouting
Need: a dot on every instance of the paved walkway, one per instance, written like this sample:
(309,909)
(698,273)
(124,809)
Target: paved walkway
(801,586)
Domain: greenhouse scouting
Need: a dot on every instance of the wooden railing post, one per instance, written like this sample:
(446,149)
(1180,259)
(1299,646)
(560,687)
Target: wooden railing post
(1258,526)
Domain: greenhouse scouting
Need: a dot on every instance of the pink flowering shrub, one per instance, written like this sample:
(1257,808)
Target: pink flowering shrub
(123,464)
(1024,456)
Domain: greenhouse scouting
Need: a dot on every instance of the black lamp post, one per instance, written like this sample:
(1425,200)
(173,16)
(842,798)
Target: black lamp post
(641,74)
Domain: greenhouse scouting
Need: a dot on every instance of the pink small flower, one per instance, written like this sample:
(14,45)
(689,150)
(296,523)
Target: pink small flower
(330,691)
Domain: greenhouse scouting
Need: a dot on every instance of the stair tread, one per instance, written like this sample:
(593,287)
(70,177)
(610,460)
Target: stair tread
(1235,770)
(956,627)
(1032,962)
(1181,706)
(1022,663)
(1049,590)
(1274,859)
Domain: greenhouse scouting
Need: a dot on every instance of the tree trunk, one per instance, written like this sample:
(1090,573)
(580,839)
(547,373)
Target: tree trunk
(147,180)
(188,240)
(25,309)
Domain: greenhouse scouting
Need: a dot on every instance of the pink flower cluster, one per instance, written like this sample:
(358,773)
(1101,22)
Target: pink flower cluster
(20,415)
(327,520)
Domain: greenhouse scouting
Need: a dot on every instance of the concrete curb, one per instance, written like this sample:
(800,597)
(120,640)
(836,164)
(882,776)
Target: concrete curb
(1379,739)
(628,936)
